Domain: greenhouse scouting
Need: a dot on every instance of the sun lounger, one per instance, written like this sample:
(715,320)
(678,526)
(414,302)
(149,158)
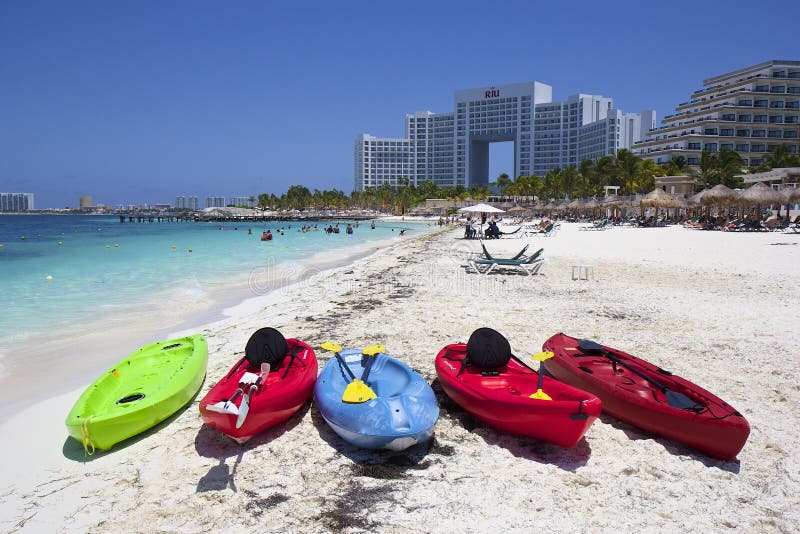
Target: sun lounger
(605,224)
(530,264)
(520,255)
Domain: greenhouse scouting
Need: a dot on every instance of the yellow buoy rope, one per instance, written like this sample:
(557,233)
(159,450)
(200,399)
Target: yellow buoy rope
(85,438)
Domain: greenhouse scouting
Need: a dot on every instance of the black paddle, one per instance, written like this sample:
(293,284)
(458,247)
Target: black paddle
(674,398)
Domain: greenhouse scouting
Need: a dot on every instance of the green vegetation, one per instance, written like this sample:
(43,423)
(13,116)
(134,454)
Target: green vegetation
(626,170)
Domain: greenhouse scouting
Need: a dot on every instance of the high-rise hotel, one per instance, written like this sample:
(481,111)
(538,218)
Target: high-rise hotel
(750,111)
(16,201)
(453,148)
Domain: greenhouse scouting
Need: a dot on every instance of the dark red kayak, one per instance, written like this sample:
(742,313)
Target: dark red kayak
(285,388)
(503,401)
(649,397)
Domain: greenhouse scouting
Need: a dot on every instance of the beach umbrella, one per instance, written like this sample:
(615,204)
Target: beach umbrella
(577,204)
(517,209)
(592,204)
(719,195)
(481,208)
(659,199)
(759,194)
(612,201)
(788,196)
(697,198)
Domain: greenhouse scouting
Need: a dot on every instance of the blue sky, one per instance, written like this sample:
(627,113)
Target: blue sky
(140,101)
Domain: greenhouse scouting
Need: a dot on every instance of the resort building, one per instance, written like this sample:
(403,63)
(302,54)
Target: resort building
(679,185)
(16,201)
(85,202)
(215,202)
(239,201)
(186,203)
(453,148)
(778,178)
(750,111)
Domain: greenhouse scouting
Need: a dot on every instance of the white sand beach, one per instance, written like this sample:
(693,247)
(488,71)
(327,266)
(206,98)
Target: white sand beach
(720,309)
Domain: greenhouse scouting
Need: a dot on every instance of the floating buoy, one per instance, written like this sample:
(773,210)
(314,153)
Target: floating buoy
(48,278)
(22,237)
(62,233)
(174,247)
(38,235)
(108,246)
(190,250)
(116,245)
(60,243)
(1,245)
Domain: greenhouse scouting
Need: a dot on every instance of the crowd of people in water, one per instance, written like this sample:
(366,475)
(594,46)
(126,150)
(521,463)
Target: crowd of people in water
(349,229)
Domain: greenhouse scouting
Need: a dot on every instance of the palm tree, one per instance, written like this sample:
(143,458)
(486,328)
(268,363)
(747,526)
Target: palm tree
(730,165)
(586,170)
(781,157)
(503,181)
(645,177)
(707,173)
(569,179)
(605,173)
(552,183)
(627,168)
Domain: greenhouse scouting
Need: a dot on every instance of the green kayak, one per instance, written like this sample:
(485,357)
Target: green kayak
(140,391)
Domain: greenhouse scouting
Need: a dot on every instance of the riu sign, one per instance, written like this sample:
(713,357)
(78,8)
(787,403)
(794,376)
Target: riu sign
(492,93)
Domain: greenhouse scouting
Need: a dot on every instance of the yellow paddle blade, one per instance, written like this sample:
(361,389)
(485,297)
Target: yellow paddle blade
(357,392)
(541,395)
(372,350)
(542,356)
(333,347)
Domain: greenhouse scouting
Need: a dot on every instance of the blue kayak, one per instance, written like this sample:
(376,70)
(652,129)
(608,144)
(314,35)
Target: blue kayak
(403,413)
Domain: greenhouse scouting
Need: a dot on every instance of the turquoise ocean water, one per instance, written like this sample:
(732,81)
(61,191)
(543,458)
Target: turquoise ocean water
(104,268)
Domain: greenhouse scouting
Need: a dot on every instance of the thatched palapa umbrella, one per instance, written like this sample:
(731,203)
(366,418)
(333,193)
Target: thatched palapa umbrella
(788,196)
(659,199)
(759,194)
(612,201)
(593,204)
(576,205)
(719,195)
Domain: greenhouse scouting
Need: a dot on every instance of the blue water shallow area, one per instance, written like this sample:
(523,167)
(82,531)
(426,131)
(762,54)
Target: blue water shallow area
(103,266)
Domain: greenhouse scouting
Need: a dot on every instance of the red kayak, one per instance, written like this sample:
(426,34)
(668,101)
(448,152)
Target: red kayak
(649,397)
(280,393)
(502,398)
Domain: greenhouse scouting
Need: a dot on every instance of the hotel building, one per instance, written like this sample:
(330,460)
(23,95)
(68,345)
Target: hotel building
(453,148)
(16,201)
(186,203)
(750,111)
(215,202)
(239,201)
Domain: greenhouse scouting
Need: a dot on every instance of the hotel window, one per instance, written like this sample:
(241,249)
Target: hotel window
(710,147)
(746,102)
(745,118)
(758,148)
(742,148)
(726,146)
(761,103)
